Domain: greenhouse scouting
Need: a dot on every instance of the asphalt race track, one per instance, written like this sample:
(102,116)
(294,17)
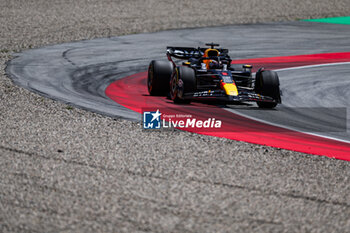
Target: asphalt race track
(291,120)
(78,73)
(318,96)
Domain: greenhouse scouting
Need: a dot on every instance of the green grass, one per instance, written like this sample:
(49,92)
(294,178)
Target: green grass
(336,20)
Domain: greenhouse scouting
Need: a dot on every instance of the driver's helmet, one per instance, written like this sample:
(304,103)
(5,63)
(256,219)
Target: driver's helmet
(211,64)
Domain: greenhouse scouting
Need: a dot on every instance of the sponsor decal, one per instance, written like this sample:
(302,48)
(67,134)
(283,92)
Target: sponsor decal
(227,79)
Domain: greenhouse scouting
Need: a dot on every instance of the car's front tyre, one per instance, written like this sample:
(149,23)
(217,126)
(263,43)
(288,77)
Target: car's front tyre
(267,84)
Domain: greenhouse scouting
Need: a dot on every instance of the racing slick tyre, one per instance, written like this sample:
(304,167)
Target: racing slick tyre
(159,73)
(183,82)
(267,84)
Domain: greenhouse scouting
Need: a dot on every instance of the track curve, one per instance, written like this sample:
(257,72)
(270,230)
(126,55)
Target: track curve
(79,72)
(238,126)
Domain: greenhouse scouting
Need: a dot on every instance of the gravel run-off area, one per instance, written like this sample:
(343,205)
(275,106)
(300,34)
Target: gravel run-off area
(66,169)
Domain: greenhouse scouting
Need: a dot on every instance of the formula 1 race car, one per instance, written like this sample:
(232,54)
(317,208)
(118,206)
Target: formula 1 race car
(208,73)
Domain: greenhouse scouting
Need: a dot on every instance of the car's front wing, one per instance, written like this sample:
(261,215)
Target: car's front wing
(243,96)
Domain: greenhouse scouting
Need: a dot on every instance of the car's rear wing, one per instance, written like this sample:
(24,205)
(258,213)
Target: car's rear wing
(189,52)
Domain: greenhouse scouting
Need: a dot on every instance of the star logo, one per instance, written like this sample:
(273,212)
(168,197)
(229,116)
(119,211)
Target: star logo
(155,115)
(151,120)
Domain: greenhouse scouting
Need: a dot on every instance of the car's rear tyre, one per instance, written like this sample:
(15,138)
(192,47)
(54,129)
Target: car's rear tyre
(159,74)
(267,84)
(182,82)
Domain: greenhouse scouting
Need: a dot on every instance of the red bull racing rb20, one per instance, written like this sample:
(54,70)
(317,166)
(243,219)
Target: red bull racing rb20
(208,73)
